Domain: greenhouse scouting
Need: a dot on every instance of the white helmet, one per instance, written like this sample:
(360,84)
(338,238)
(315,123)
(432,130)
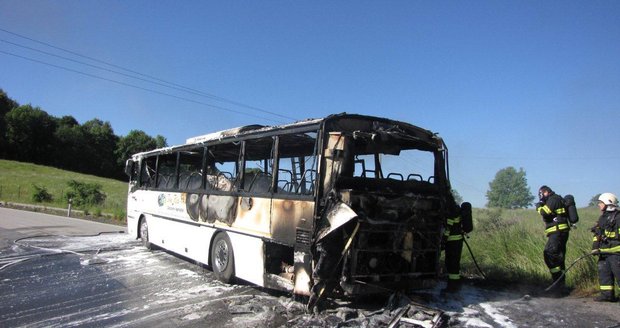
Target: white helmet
(610,200)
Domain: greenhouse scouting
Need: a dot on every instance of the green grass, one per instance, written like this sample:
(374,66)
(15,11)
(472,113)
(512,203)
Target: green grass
(17,182)
(508,246)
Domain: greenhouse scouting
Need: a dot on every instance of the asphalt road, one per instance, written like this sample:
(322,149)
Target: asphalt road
(16,224)
(63,272)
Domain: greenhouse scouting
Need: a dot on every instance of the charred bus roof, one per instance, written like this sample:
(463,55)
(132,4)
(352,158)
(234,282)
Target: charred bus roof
(358,125)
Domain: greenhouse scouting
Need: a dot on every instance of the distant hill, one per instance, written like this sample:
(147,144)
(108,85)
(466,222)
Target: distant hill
(17,180)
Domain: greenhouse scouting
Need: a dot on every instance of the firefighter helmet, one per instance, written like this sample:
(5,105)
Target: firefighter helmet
(608,199)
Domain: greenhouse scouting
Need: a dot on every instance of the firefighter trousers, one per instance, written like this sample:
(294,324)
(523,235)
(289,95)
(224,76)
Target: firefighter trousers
(453,258)
(555,252)
(608,269)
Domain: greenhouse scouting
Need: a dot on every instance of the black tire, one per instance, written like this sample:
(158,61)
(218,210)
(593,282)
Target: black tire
(144,234)
(222,258)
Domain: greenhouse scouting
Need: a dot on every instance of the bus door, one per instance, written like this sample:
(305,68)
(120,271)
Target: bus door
(293,205)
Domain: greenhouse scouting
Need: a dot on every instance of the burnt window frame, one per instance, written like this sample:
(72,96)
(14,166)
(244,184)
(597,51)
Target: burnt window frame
(183,154)
(163,159)
(251,152)
(302,156)
(152,181)
(221,157)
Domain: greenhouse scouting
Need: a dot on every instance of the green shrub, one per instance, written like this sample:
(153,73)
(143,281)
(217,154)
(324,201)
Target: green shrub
(41,194)
(119,214)
(84,194)
(490,220)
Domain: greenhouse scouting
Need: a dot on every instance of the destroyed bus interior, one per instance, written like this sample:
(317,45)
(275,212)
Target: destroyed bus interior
(383,207)
(347,204)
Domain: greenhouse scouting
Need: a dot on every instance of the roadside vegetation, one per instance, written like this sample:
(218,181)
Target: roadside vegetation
(47,187)
(508,246)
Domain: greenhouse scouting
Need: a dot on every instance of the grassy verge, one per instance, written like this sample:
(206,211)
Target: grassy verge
(508,246)
(17,181)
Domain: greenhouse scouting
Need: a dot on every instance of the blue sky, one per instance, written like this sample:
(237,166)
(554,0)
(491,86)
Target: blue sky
(528,84)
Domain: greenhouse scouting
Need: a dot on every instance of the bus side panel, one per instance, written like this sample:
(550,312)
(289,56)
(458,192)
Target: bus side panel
(291,224)
(222,208)
(158,232)
(187,239)
(253,215)
(287,215)
(135,201)
(249,258)
(132,226)
(200,238)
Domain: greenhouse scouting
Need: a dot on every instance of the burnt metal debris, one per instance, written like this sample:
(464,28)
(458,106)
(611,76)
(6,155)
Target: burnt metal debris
(398,312)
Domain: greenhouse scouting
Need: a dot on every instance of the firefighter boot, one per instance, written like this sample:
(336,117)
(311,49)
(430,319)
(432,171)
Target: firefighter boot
(453,286)
(559,288)
(606,296)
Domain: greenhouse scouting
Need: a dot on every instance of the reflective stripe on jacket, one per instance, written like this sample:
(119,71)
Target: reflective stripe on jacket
(453,229)
(556,228)
(554,214)
(607,236)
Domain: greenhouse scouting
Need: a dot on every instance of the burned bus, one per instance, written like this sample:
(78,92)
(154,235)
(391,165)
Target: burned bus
(345,204)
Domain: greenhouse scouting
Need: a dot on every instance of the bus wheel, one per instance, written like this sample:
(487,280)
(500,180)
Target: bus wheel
(222,258)
(144,234)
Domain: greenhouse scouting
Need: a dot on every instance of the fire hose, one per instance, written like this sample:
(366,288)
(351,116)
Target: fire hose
(473,257)
(598,252)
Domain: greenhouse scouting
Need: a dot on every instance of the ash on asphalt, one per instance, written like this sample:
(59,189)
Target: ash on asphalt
(110,280)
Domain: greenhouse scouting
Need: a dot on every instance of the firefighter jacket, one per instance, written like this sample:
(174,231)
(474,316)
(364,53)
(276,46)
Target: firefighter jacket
(607,233)
(554,214)
(454,230)
(453,226)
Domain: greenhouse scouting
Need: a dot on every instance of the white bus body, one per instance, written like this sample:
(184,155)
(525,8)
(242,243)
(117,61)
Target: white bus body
(345,200)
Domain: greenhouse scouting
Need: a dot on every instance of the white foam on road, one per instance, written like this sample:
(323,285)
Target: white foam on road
(132,286)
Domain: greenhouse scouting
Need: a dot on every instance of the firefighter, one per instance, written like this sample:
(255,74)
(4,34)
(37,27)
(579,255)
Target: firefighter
(551,208)
(606,245)
(458,223)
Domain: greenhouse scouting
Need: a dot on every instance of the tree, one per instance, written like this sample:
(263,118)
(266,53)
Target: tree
(6,104)
(29,132)
(88,148)
(68,121)
(160,141)
(457,197)
(137,141)
(70,145)
(509,190)
(594,200)
(102,144)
